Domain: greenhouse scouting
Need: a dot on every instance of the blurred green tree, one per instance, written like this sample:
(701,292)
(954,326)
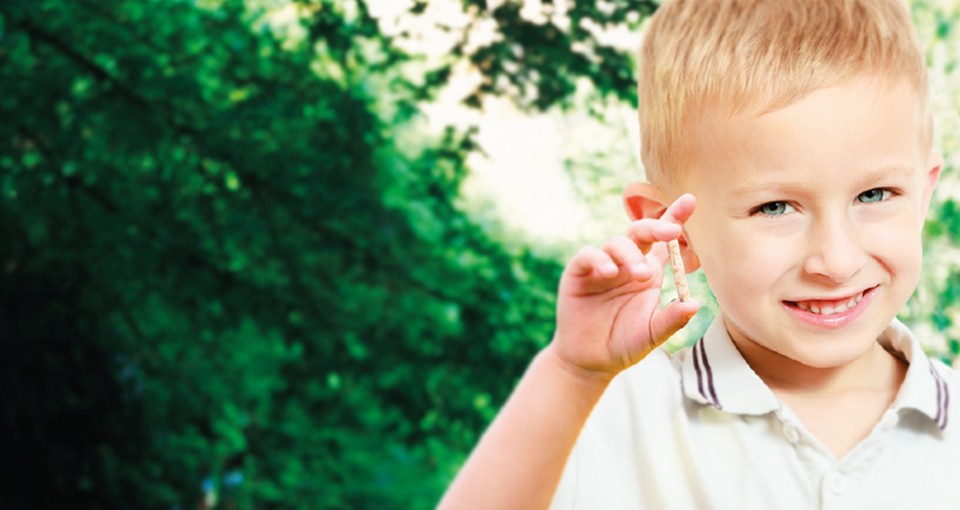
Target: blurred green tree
(223,280)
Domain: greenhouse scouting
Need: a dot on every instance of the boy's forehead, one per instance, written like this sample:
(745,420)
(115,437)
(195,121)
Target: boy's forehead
(864,126)
(868,89)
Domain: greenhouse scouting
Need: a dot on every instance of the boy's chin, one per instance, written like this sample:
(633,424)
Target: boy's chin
(804,353)
(830,355)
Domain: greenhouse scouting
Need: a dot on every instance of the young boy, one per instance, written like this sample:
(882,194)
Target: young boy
(803,129)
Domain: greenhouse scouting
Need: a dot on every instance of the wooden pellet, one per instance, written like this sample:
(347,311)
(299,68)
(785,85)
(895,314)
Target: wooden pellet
(679,274)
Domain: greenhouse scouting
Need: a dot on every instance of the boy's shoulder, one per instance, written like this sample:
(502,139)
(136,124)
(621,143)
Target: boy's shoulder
(650,388)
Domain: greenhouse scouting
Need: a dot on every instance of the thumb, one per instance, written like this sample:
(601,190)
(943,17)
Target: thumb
(669,320)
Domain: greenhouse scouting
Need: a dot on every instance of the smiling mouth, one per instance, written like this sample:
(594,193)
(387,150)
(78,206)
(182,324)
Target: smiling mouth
(830,306)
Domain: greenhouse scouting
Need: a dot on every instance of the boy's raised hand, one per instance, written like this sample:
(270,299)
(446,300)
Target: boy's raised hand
(608,318)
(608,310)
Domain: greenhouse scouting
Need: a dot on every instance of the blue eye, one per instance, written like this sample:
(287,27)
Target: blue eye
(772,208)
(874,195)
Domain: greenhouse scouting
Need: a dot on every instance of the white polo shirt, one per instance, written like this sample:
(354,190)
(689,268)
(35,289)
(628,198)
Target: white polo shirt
(701,430)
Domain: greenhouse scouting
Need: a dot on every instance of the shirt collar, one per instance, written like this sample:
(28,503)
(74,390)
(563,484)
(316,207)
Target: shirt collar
(714,373)
(924,388)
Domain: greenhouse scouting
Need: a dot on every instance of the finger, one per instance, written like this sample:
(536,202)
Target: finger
(680,210)
(677,214)
(667,321)
(591,259)
(627,255)
(644,233)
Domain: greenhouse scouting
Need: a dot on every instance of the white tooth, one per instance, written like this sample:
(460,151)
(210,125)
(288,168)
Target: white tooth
(859,297)
(814,309)
(803,306)
(851,303)
(827,310)
(840,309)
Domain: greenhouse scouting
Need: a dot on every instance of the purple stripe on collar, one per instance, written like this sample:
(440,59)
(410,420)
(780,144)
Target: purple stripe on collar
(713,391)
(699,351)
(696,366)
(943,398)
(946,403)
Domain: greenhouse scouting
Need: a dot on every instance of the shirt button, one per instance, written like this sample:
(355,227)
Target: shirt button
(836,482)
(791,433)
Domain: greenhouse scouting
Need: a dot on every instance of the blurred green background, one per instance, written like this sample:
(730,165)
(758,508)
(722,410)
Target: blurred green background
(238,264)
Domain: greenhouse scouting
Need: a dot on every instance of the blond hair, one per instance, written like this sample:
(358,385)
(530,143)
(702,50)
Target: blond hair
(730,56)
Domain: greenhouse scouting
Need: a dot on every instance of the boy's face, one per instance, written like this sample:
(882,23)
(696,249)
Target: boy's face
(809,218)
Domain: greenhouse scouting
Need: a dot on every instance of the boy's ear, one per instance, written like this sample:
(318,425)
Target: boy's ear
(934,164)
(644,200)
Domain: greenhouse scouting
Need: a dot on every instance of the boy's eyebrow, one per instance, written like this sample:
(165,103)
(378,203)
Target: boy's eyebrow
(878,174)
(890,171)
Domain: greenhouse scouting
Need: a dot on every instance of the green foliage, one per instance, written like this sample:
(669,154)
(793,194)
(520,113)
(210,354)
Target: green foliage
(541,59)
(222,277)
(934,311)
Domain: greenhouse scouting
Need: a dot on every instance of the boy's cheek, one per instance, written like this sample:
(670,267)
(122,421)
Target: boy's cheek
(899,247)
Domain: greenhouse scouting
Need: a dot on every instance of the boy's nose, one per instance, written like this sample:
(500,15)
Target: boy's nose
(834,251)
